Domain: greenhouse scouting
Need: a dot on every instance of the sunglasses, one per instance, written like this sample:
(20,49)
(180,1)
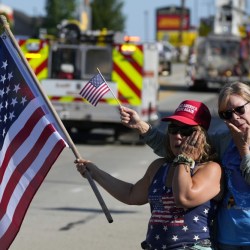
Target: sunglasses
(182,130)
(227,115)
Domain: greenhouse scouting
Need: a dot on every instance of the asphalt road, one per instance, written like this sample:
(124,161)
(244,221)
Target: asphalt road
(65,213)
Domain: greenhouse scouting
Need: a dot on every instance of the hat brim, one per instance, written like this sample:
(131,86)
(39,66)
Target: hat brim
(178,118)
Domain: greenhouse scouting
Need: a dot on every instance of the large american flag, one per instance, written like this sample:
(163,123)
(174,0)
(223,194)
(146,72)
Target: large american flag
(95,89)
(30,140)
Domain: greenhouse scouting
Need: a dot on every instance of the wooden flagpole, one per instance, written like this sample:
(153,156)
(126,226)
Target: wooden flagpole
(6,27)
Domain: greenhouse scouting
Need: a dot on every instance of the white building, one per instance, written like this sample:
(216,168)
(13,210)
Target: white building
(229,16)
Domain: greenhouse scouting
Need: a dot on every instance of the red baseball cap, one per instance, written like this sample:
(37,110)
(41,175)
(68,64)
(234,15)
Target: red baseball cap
(191,113)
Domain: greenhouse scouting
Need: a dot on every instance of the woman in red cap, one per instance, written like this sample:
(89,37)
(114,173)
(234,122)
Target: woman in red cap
(182,188)
(233,148)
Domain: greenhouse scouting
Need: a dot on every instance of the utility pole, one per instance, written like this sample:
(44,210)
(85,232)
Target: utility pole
(84,14)
(181,25)
(146,25)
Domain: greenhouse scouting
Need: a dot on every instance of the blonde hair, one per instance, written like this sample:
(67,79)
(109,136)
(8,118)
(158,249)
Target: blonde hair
(208,152)
(234,88)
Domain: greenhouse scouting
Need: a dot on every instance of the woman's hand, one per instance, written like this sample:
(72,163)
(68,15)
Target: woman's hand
(81,165)
(241,138)
(192,146)
(131,119)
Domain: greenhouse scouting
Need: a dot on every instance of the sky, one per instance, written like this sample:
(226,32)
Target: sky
(140,14)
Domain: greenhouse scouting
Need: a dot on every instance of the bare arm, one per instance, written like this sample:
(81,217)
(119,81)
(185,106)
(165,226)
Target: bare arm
(190,191)
(205,183)
(128,193)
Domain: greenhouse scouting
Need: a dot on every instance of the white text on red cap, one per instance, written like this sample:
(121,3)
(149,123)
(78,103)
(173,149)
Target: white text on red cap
(187,108)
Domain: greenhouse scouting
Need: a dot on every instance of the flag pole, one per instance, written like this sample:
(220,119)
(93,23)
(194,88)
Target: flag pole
(6,27)
(109,87)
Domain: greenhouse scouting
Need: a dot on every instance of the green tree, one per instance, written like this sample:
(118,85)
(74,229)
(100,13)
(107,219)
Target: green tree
(206,27)
(58,10)
(108,14)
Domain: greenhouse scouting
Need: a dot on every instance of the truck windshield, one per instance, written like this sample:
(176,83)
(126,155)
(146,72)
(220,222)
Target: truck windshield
(80,62)
(100,58)
(66,63)
(225,48)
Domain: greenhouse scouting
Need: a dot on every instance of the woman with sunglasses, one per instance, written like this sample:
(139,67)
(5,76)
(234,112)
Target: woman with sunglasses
(182,188)
(232,146)
(234,212)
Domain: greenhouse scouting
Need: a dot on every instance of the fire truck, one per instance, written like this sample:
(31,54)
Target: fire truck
(129,68)
(36,52)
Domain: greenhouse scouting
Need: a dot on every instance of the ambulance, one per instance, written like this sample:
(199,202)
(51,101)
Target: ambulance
(130,69)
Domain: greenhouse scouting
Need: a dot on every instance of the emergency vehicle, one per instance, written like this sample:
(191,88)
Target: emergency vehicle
(218,59)
(130,70)
(36,52)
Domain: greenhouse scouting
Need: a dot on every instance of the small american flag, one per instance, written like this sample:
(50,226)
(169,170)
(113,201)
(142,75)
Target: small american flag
(30,140)
(95,89)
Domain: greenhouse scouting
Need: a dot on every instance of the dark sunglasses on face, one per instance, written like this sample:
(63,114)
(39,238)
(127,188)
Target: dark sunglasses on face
(182,130)
(228,114)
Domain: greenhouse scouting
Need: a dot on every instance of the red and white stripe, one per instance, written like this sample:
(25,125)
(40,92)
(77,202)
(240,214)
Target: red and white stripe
(93,94)
(30,148)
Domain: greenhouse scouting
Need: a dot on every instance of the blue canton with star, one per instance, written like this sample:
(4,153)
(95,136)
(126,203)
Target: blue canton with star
(14,92)
(97,81)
